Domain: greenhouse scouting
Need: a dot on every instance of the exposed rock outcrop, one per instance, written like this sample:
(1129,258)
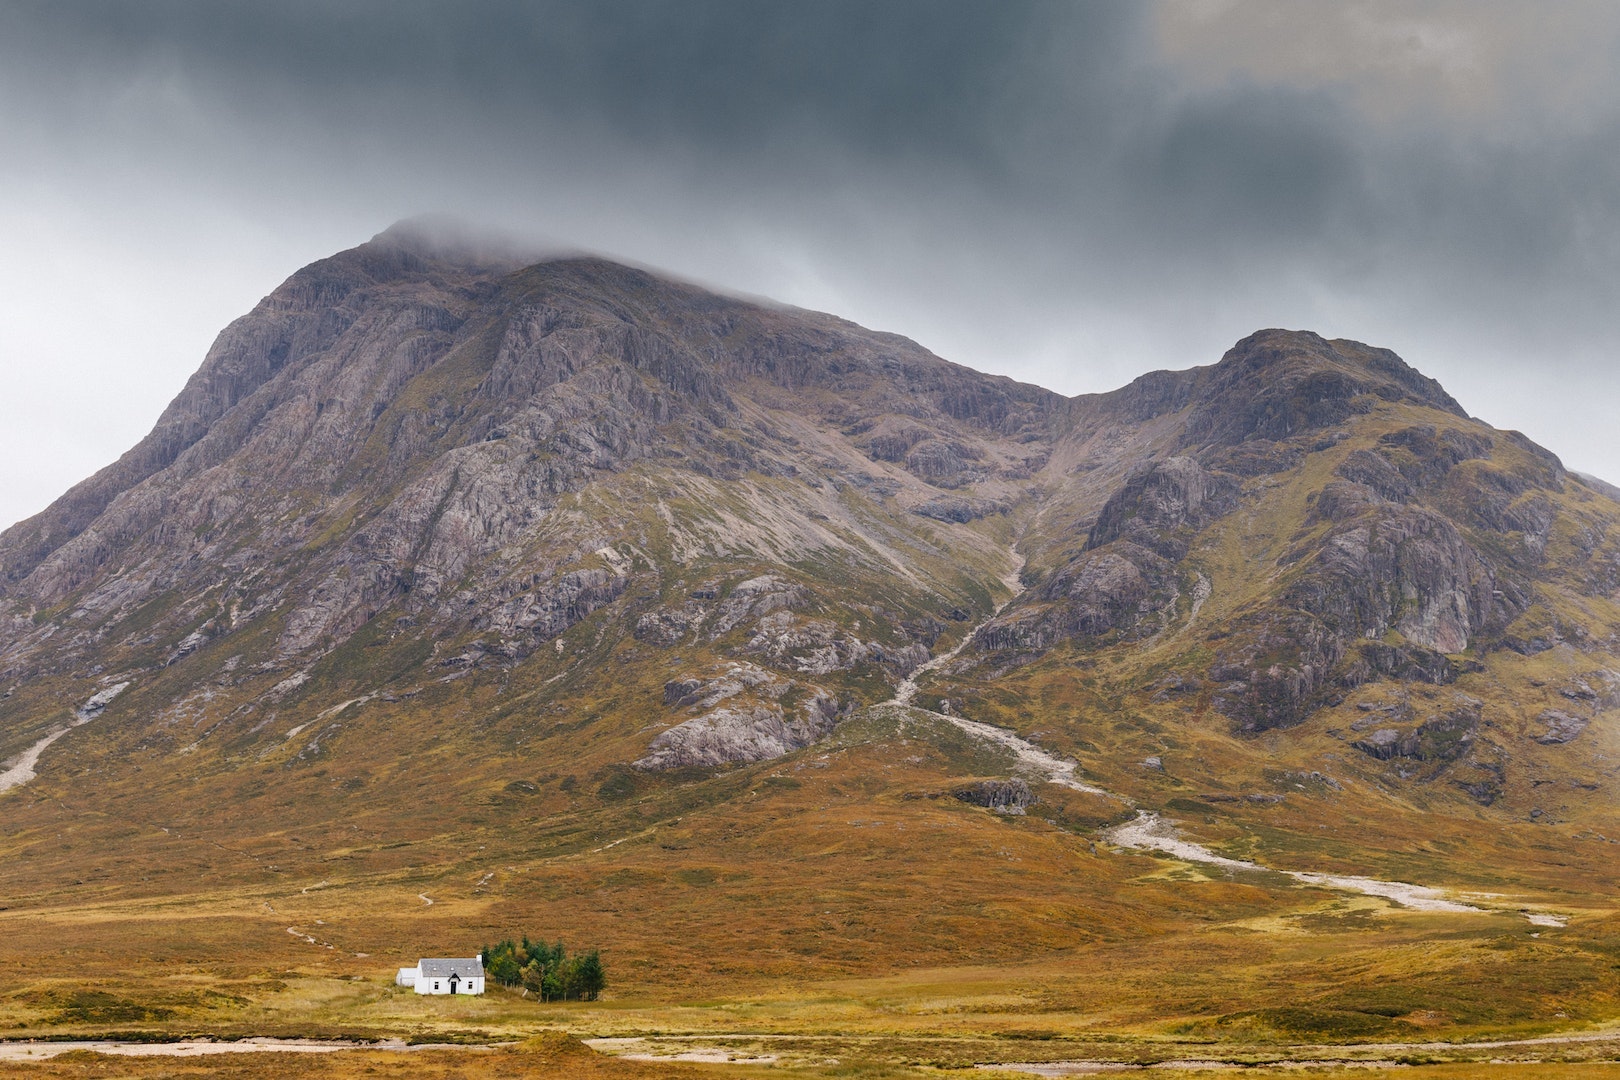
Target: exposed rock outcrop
(1561,727)
(1382,569)
(1438,740)
(1126,580)
(745,713)
(1005,796)
(754,598)
(543,612)
(736,734)
(1099,593)
(962,511)
(1160,507)
(98,702)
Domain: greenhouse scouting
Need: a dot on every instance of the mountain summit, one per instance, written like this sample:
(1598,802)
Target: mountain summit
(478,455)
(594,555)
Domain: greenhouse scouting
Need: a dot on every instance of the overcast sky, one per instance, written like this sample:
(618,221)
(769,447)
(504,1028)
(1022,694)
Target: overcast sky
(1068,193)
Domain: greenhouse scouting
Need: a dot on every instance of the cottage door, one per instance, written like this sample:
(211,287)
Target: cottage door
(454,978)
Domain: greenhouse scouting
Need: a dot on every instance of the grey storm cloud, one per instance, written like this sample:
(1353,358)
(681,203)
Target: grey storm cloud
(1070,193)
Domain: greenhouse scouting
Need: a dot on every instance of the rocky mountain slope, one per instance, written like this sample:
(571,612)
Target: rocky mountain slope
(599,558)
(1421,547)
(480,457)
(459,459)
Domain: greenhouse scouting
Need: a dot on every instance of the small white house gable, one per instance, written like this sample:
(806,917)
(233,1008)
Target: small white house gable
(444,976)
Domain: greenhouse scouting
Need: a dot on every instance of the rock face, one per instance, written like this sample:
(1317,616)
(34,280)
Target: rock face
(412,464)
(740,734)
(1444,738)
(746,715)
(1411,547)
(1126,578)
(1161,507)
(1277,385)
(1406,571)
(100,700)
(1005,796)
(545,611)
(1561,727)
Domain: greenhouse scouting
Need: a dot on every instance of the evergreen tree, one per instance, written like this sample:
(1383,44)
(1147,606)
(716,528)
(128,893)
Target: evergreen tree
(591,978)
(555,986)
(545,970)
(568,979)
(501,964)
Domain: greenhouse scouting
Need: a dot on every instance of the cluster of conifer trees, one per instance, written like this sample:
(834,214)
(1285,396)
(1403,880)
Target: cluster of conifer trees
(545,970)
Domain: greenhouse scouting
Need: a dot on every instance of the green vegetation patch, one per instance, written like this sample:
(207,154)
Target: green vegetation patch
(546,970)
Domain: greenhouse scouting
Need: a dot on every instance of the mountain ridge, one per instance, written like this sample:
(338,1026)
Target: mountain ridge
(420,291)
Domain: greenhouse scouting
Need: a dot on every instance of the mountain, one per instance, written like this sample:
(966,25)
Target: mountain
(572,597)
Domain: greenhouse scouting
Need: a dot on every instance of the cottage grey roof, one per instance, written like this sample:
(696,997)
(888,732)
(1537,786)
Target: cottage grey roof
(443,969)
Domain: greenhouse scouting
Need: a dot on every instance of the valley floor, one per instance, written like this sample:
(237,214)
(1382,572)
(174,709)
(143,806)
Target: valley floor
(827,962)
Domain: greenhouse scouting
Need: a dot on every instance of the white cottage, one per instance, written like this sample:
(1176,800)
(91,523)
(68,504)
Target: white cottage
(440,976)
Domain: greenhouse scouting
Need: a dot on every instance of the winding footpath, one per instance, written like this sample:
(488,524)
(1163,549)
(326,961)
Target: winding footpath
(1147,831)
